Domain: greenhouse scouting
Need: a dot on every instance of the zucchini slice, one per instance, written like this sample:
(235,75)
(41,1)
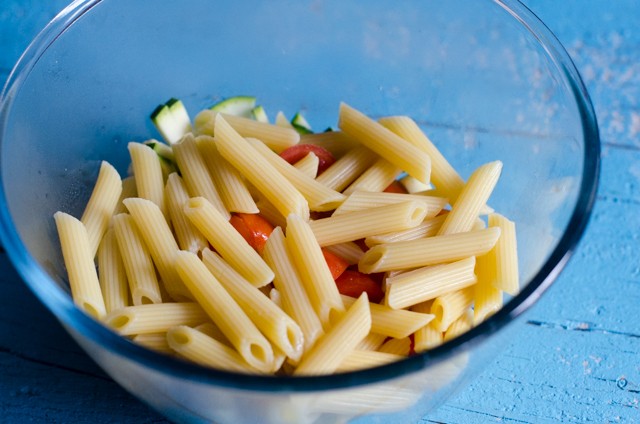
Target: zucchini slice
(300,124)
(238,106)
(258,113)
(172,120)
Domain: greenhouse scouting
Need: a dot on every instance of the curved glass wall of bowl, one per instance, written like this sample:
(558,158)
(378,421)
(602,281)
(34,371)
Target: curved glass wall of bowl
(476,79)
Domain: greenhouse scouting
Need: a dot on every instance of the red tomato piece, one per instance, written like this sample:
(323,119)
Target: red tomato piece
(353,283)
(253,228)
(294,153)
(336,264)
(396,187)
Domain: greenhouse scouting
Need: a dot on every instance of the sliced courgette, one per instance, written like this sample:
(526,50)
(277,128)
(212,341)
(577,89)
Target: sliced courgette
(163,150)
(172,120)
(300,124)
(237,105)
(258,113)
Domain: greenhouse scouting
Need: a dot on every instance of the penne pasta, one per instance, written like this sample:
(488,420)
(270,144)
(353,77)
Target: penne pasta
(336,142)
(341,339)
(111,273)
(414,186)
(282,121)
(506,254)
(136,262)
(128,190)
(428,283)
(195,174)
(225,312)
(349,251)
(102,203)
(371,342)
(450,306)
(259,172)
(428,251)
(487,297)
(187,235)
(358,225)
(428,337)
(154,318)
(148,174)
(211,330)
(270,213)
(459,326)
(228,242)
(361,200)
(348,168)
(400,347)
(78,259)
(427,228)
(361,359)
(385,143)
(376,178)
(231,186)
(308,165)
(320,197)
(154,341)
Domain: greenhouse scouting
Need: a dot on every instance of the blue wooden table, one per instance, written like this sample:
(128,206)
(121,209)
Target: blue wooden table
(576,357)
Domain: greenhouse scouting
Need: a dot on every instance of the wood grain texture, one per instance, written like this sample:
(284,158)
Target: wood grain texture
(576,356)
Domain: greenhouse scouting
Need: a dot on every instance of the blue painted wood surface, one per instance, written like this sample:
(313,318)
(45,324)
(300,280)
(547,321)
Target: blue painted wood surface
(576,356)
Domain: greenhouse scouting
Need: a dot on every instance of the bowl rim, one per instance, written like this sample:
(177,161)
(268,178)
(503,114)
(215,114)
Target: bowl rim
(61,304)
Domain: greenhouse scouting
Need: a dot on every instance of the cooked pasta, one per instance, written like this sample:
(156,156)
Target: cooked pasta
(111,273)
(400,347)
(336,142)
(187,235)
(487,297)
(154,341)
(361,200)
(506,254)
(348,168)
(349,251)
(148,174)
(459,326)
(427,228)
(308,165)
(361,359)
(450,306)
(155,318)
(128,190)
(376,178)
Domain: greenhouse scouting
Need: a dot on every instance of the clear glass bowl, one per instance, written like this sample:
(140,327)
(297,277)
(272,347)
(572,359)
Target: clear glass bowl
(486,80)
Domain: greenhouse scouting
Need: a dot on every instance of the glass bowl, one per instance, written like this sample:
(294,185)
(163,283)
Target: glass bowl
(486,80)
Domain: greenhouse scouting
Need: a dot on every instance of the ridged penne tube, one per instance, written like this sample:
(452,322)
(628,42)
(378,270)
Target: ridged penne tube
(128,190)
(362,359)
(349,251)
(228,242)
(204,350)
(148,174)
(348,168)
(153,341)
(427,228)
(155,318)
(313,269)
(111,273)
(341,339)
(428,283)
(228,181)
(225,312)
(428,337)
(102,203)
(137,263)
(282,121)
(320,197)
(385,143)
(187,235)
(358,401)
(459,326)
(368,222)
(450,306)
(443,175)
(414,186)
(487,297)
(259,172)
(473,196)
(276,137)
(397,323)
(287,281)
(275,297)
(195,173)
(376,178)
(506,254)
(372,342)
(400,347)
(81,270)
(428,251)
(212,330)
(270,213)
(272,321)
(360,200)
(336,142)
(308,165)
(160,242)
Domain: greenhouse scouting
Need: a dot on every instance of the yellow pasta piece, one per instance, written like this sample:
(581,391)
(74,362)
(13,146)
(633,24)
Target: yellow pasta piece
(259,172)
(154,341)
(414,186)
(450,306)
(348,168)
(376,178)
(282,121)
(204,350)
(225,312)
(349,251)
(148,173)
(187,235)
(362,359)
(320,197)
(276,325)
(397,323)
(443,175)
(400,347)
(472,198)
(287,281)
(371,342)
(111,273)
(360,200)
(212,330)
(102,203)
(78,259)
(385,143)
(506,254)
(195,174)
(270,213)
(228,242)
(137,264)
(154,318)
(427,228)
(128,190)
(230,184)
(332,348)
(336,142)
(159,240)
(357,225)
(459,326)
(313,269)
(487,297)
(428,251)
(276,137)
(308,165)
(428,337)
(429,282)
